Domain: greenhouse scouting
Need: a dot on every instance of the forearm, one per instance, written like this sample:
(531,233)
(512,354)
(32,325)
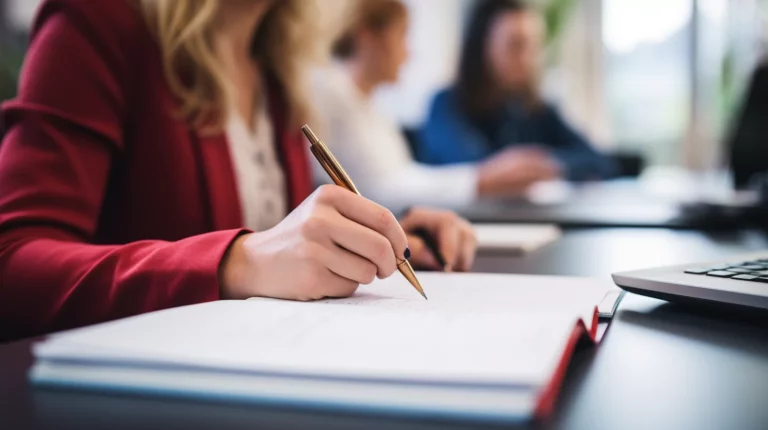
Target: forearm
(440,186)
(50,282)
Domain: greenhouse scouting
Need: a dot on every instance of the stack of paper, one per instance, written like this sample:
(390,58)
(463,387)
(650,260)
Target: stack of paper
(485,347)
(515,238)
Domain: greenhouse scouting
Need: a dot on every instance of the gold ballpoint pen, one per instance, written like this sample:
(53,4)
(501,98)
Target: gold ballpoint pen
(340,178)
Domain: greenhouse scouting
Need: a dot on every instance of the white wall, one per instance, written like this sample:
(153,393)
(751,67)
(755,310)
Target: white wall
(435,41)
(21,12)
(575,84)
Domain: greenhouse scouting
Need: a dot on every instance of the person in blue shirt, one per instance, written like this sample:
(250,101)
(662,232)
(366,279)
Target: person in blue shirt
(495,106)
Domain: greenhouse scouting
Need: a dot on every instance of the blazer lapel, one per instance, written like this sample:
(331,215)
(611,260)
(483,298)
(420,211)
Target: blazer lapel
(219,175)
(219,181)
(292,148)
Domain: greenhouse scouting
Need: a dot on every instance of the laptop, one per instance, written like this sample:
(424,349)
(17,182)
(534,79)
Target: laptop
(736,282)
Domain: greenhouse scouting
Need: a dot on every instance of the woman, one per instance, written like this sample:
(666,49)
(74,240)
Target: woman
(145,136)
(370,53)
(496,105)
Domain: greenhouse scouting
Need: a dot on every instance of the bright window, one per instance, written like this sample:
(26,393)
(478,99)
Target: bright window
(647,54)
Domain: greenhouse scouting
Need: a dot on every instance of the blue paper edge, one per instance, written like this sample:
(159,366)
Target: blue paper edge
(299,405)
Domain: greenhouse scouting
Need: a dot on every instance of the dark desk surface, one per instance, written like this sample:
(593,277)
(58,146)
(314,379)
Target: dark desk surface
(659,366)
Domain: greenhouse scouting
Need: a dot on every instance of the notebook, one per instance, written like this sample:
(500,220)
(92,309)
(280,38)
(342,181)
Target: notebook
(482,348)
(516,238)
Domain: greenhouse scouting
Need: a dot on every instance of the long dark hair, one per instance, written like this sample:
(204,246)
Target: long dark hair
(475,85)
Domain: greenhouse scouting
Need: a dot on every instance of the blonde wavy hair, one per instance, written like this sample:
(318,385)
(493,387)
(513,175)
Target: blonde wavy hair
(184,30)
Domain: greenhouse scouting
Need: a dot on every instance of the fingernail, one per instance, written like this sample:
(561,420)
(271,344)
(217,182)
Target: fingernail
(407,253)
(448,268)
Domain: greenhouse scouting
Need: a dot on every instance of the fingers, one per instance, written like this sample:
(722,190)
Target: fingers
(335,286)
(354,265)
(547,168)
(364,239)
(468,248)
(366,243)
(525,176)
(460,231)
(421,256)
(316,273)
(366,213)
(449,241)
(512,173)
(318,283)
(455,236)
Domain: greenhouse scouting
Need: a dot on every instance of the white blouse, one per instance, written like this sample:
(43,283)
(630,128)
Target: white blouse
(259,175)
(375,154)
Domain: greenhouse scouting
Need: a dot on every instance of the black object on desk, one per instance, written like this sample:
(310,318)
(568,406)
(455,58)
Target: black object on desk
(431,243)
(748,143)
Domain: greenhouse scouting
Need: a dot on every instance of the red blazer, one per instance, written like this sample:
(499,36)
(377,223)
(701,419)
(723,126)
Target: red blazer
(110,205)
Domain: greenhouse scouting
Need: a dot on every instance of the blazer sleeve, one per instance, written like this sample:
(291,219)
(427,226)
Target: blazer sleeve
(448,137)
(581,160)
(63,132)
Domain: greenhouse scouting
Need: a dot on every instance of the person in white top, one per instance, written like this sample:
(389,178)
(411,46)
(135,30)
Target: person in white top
(371,147)
(375,154)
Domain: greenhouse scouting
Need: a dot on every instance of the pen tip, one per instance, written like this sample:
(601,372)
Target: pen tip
(424,295)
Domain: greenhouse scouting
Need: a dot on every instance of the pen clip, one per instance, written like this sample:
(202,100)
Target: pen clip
(332,166)
(327,166)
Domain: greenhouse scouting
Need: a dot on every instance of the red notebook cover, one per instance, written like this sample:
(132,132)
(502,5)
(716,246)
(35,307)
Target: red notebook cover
(546,403)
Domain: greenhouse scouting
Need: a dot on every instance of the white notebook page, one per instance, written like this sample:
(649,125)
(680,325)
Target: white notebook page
(475,329)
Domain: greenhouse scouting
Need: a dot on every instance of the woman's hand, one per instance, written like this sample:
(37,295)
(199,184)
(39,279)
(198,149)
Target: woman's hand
(512,171)
(332,243)
(455,239)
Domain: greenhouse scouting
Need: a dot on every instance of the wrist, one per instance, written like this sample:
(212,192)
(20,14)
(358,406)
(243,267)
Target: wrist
(484,184)
(232,269)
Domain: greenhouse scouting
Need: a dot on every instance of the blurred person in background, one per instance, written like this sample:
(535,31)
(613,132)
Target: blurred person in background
(149,141)
(496,106)
(368,54)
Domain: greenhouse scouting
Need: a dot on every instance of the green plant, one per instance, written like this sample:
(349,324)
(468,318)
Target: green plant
(10,65)
(557,14)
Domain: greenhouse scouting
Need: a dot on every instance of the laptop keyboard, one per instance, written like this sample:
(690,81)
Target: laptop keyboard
(752,271)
